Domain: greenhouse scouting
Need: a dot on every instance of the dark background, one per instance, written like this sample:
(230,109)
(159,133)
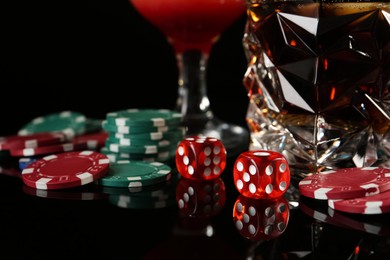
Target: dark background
(99,56)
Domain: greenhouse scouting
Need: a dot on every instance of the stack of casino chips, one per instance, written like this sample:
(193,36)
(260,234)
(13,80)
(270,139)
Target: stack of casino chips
(356,190)
(142,134)
(54,133)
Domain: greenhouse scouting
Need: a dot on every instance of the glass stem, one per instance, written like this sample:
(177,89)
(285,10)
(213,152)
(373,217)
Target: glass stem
(192,100)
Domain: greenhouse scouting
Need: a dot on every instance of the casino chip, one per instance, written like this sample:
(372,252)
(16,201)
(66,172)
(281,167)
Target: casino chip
(346,183)
(375,204)
(70,123)
(53,149)
(25,161)
(91,141)
(158,196)
(160,157)
(126,173)
(66,170)
(156,190)
(175,134)
(30,140)
(124,129)
(138,149)
(99,138)
(144,117)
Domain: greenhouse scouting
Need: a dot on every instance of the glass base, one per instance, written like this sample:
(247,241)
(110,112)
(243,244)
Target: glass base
(234,137)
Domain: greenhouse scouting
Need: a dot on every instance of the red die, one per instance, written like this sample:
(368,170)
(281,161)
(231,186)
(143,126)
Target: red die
(201,158)
(200,198)
(261,219)
(261,174)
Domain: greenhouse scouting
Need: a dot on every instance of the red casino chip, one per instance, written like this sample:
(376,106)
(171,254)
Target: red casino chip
(31,140)
(50,149)
(65,170)
(375,204)
(98,137)
(93,141)
(346,183)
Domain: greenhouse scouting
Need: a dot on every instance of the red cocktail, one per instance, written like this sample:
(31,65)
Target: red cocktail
(192,27)
(191,24)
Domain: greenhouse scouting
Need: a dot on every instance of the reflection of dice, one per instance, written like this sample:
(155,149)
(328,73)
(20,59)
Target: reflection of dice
(193,238)
(201,158)
(261,174)
(200,198)
(261,219)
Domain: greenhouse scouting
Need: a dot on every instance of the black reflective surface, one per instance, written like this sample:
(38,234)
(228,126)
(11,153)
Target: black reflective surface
(119,223)
(52,50)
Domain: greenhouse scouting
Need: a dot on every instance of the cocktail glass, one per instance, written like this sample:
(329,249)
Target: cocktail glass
(192,27)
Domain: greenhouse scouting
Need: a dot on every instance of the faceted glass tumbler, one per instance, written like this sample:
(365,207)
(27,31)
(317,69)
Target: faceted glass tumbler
(318,81)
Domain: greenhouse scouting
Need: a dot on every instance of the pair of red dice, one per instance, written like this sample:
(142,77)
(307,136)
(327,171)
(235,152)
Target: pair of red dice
(257,174)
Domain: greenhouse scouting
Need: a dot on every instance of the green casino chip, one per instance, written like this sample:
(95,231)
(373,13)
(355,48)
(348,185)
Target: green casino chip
(172,140)
(70,123)
(158,191)
(126,156)
(136,174)
(115,157)
(139,149)
(136,142)
(144,118)
(134,129)
(147,136)
(159,157)
(165,157)
(173,134)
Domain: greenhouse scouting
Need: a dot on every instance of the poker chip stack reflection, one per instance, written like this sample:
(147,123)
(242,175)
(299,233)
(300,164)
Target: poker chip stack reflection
(157,195)
(142,134)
